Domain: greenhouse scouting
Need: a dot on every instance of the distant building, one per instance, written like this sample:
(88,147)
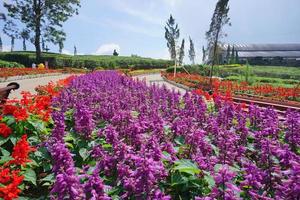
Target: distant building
(263,54)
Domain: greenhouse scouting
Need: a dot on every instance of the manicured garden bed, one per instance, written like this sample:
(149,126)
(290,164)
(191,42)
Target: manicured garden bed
(112,137)
(258,91)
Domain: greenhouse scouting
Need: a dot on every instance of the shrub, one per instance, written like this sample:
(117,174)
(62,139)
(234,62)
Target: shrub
(6,64)
(86,61)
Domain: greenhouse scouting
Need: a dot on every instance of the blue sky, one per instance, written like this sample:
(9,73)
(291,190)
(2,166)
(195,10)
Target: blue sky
(137,26)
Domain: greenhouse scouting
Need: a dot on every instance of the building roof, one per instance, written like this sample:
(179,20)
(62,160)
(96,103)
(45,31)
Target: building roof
(264,47)
(290,54)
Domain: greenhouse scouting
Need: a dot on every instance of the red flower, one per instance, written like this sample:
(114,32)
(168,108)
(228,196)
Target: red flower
(21,151)
(5,131)
(11,180)
(20,114)
(9,109)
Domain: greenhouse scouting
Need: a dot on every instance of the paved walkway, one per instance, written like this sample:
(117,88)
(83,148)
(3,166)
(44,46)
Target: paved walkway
(30,84)
(157,79)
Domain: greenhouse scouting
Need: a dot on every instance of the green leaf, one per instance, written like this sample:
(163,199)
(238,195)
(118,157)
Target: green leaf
(84,153)
(5,152)
(30,176)
(3,140)
(179,140)
(186,166)
(5,159)
(209,179)
(49,178)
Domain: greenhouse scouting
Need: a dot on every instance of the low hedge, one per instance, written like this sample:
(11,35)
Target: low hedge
(6,64)
(87,61)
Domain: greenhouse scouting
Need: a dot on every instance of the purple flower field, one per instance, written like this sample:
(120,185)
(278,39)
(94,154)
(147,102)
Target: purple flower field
(116,138)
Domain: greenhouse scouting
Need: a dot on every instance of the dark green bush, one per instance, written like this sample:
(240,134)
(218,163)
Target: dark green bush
(86,61)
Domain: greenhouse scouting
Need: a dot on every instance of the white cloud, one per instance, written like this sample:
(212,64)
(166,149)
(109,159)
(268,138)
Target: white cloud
(107,49)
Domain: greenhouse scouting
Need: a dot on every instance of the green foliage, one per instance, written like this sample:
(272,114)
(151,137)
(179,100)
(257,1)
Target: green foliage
(87,61)
(6,64)
(192,53)
(219,20)
(186,180)
(172,34)
(45,18)
(181,53)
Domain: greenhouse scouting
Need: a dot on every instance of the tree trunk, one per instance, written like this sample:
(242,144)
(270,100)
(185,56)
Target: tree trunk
(213,61)
(37,10)
(12,44)
(24,44)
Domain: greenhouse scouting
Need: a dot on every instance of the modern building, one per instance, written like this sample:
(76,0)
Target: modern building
(263,54)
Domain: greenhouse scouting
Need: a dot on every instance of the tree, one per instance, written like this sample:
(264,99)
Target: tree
(192,53)
(60,46)
(203,54)
(43,45)
(232,57)
(115,53)
(44,17)
(2,17)
(1,45)
(228,54)
(25,36)
(219,20)
(11,30)
(172,34)
(181,53)
(237,60)
(75,50)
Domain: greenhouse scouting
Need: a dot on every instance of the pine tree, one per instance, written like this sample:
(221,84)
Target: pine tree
(192,53)
(75,51)
(203,54)
(219,20)
(228,54)
(181,53)
(172,34)
(1,45)
(60,46)
(232,57)
(237,59)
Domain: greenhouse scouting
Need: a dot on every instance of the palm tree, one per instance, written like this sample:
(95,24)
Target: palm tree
(2,17)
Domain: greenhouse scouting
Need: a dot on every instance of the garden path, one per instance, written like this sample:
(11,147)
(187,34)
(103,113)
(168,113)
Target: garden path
(30,84)
(157,79)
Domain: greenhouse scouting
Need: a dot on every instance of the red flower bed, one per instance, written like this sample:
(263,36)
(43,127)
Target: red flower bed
(16,125)
(234,88)
(8,72)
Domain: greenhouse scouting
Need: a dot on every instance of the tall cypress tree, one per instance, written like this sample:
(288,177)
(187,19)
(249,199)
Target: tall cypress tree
(192,53)
(228,54)
(172,34)
(232,57)
(75,50)
(203,54)
(181,53)
(1,45)
(237,59)
(219,20)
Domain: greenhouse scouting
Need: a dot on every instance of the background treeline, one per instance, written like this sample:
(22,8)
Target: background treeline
(86,61)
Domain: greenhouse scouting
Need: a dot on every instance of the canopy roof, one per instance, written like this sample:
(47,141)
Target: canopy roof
(264,47)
